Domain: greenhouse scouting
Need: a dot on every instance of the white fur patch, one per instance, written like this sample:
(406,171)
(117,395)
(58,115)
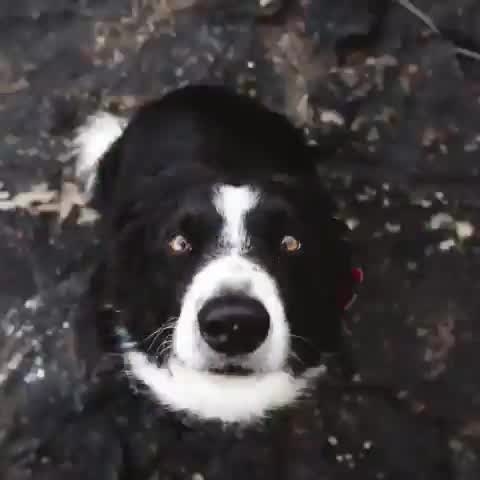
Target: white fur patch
(92,141)
(233,204)
(231,271)
(222,397)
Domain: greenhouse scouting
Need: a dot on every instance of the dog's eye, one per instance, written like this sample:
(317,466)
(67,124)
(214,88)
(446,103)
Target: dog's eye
(179,245)
(290,244)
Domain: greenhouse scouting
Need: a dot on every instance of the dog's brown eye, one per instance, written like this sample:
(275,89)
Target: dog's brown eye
(179,245)
(290,244)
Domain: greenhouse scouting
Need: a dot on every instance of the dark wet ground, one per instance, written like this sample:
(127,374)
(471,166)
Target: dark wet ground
(393,106)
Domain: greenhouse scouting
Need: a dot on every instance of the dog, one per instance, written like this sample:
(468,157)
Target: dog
(222,258)
(207,340)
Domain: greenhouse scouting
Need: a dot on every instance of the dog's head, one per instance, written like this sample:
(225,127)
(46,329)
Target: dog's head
(223,258)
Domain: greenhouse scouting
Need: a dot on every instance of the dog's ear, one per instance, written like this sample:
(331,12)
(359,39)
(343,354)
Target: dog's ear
(97,148)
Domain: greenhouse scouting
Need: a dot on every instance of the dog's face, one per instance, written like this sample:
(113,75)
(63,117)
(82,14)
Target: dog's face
(229,279)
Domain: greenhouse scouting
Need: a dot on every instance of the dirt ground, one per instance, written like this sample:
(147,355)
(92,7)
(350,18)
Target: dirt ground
(390,93)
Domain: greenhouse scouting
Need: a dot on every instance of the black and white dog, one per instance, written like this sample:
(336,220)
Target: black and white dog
(223,261)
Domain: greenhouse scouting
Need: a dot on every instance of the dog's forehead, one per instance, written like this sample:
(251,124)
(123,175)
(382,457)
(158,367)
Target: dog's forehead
(234,202)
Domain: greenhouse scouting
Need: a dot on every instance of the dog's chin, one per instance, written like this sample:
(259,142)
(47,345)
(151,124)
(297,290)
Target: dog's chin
(231,396)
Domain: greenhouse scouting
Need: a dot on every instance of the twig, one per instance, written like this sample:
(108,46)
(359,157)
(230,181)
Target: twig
(468,53)
(408,5)
(419,14)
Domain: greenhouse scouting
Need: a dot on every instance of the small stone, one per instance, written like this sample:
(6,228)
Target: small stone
(373,135)
(304,110)
(387,61)
(358,123)
(471,147)
(412,266)
(332,117)
(455,445)
(429,137)
(440,220)
(393,227)
(422,332)
(402,394)
(14,362)
(362,197)
(332,441)
(367,444)
(357,378)
(118,56)
(33,303)
(352,223)
(412,69)
(349,76)
(11,139)
(421,202)
(464,230)
(447,245)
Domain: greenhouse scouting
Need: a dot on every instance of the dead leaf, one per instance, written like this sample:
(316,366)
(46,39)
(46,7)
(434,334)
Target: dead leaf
(14,87)
(69,198)
(27,200)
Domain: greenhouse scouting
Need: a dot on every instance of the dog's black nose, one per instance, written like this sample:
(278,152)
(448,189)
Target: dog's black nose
(234,324)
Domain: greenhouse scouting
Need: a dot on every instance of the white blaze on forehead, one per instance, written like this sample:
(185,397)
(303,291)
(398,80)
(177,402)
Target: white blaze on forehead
(233,204)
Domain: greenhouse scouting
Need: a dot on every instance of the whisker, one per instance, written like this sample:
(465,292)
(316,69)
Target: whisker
(166,342)
(299,337)
(295,356)
(164,347)
(169,325)
(152,343)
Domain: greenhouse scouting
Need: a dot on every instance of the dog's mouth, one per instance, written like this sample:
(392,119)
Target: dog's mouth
(232,370)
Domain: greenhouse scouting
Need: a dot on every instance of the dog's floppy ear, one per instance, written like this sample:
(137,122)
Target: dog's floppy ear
(96,148)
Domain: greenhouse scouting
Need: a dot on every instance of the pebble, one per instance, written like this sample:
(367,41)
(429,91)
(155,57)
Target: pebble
(464,230)
(440,220)
(352,223)
(332,441)
(393,227)
(367,445)
(332,117)
(447,245)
